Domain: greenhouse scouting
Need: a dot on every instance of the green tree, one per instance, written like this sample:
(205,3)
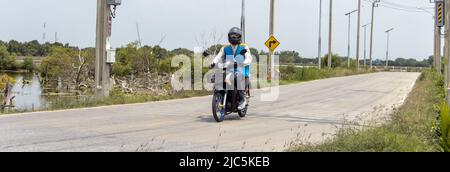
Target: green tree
(125,58)
(148,62)
(89,54)
(15,47)
(288,56)
(4,78)
(60,65)
(32,48)
(336,61)
(7,61)
(28,64)
(159,54)
(181,51)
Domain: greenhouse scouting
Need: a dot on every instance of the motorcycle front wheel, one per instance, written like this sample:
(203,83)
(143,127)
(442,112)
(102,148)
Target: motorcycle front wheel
(218,108)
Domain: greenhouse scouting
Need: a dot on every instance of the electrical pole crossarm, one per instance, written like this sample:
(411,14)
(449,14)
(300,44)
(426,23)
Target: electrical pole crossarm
(351,12)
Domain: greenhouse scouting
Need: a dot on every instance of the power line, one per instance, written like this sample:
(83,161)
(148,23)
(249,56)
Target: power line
(417,10)
(400,7)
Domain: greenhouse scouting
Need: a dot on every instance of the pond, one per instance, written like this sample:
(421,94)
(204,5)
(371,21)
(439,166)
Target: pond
(28,92)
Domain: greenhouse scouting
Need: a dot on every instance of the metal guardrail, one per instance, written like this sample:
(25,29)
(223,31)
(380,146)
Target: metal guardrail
(400,68)
(379,68)
(299,66)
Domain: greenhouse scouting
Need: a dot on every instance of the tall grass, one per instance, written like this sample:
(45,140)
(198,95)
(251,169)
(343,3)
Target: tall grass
(444,126)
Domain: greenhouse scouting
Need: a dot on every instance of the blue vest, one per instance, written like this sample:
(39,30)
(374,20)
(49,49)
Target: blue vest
(229,54)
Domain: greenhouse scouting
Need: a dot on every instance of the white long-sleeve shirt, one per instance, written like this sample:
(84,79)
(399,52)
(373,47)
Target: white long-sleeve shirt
(248,56)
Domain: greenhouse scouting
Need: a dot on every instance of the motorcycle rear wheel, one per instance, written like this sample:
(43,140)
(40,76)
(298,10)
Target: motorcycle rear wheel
(242,113)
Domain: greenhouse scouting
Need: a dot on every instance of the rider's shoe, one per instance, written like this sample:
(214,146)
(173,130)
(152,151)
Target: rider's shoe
(242,105)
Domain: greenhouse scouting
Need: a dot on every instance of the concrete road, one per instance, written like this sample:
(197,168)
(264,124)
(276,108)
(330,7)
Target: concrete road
(309,112)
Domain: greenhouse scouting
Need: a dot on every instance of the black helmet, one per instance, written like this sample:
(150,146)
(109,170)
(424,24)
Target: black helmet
(235,36)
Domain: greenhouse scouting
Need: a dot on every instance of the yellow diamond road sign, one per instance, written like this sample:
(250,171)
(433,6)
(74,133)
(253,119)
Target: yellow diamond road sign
(272,43)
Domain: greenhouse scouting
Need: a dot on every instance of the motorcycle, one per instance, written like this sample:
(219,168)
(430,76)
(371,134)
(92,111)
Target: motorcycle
(226,101)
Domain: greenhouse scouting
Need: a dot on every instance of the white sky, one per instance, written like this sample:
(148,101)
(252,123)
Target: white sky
(182,21)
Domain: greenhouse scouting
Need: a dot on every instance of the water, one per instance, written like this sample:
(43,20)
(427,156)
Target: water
(28,96)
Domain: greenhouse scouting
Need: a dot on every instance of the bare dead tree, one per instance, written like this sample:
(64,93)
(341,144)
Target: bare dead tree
(163,37)
(7,99)
(146,54)
(210,41)
(216,39)
(82,61)
(161,40)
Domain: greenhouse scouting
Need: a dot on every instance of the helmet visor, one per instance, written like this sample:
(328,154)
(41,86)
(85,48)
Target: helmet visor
(235,36)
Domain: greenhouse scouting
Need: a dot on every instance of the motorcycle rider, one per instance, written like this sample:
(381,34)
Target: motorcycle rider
(238,57)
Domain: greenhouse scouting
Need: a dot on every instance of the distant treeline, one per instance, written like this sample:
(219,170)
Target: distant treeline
(403,62)
(340,61)
(32,48)
(8,61)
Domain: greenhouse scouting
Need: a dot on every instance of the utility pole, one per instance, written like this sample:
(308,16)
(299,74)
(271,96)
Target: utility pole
(374,4)
(358,31)
(103,48)
(319,56)
(438,22)
(271,32)
(365,42)
(243,21)
(438,19)
(330,32)
(446,48)
(437,54)
(387,49)
(349,14)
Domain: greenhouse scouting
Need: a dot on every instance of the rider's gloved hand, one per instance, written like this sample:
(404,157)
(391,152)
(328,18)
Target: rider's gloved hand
(243,52)
(212,65)
(205,54)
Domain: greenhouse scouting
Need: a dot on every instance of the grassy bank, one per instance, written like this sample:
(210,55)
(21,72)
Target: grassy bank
(411,128)
(117,98)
